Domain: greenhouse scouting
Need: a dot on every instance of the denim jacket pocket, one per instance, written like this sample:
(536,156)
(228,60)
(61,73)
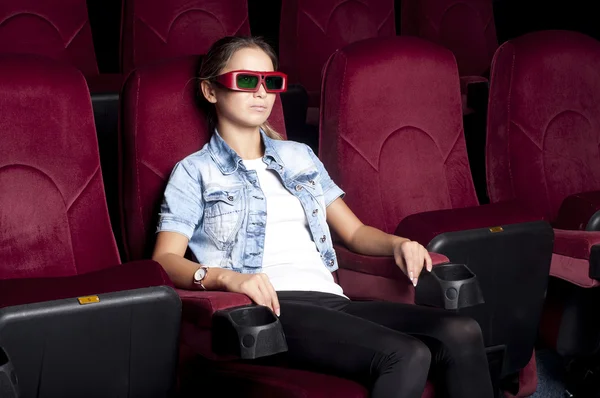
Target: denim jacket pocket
(310,180)
(223,214)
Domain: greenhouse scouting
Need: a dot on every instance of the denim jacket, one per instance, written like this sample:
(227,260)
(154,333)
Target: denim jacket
(218,204)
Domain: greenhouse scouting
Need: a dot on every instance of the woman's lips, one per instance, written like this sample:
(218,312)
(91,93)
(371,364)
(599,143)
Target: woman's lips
(258,108)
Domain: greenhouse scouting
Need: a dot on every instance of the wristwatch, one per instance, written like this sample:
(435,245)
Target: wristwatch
(199,276)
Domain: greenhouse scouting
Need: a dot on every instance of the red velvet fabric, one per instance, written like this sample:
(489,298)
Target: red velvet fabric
(199,306)
(570,260)
(527,380)
(53,215)
(59,29)
(269,381)
(402,153)
(466,27)
(159,29)
(542,143)
(133,275)
(576,210)
(375,278)
(576,244)
(423,227)
(311,30)
(374,265)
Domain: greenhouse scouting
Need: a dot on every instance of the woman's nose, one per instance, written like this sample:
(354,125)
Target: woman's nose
(261,92)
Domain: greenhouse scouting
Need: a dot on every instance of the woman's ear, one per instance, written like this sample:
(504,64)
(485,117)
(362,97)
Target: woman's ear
(208,91)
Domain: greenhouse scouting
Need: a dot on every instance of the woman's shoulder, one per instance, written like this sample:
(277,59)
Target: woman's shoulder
(196,158)
(291,148)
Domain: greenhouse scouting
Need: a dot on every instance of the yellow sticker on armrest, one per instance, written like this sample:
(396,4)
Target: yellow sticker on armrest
(88,300)
(496,229)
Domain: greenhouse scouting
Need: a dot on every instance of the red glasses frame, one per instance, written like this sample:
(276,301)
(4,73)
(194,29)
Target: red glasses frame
(229,80)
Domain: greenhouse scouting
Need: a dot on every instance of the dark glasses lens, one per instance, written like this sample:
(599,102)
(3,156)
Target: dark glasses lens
(274,82)
(247,81)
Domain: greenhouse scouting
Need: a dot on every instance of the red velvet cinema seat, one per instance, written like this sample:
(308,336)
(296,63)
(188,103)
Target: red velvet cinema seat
(161,125)
(60,29)
(156,29)
(311,30)
(465,27)
(392,138)
(56,245)
(543,136)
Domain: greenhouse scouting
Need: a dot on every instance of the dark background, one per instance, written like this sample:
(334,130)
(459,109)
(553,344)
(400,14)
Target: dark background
(513,18)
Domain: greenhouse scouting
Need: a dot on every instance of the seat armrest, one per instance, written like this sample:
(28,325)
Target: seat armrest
(376,265)
(570,248)
(580,212)
(423,227)
(133,275)
(199,306)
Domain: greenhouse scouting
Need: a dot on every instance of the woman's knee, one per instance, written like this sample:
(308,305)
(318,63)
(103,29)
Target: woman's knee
(411,354)
(461,331)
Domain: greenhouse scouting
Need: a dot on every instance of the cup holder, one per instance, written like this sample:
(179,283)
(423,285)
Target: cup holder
(448,286)
(250,332)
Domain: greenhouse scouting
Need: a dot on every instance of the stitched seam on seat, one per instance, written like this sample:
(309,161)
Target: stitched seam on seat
(136,155)
(82,189)
(508,123)
(152,169)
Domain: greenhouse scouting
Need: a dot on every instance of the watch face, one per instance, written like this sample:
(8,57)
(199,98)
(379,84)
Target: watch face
(199,275)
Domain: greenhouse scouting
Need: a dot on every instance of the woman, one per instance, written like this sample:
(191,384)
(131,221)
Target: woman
(256,211)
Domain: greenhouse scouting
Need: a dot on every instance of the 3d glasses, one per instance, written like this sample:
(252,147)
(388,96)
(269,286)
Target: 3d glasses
(247,80)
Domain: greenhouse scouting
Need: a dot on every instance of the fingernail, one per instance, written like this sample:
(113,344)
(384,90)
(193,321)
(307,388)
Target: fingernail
(410,274)
(414,282)
(278,312)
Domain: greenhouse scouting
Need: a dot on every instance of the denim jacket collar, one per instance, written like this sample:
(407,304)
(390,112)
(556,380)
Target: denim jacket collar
(228,160)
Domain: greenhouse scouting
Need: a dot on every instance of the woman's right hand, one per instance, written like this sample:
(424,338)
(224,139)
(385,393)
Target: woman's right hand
(256,286)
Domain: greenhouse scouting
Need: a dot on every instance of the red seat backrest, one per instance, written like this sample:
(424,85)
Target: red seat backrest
(391,129)
(59,29)
(161,125)
(466,27)
(544,119)
(53,215)
(311,30)
(157,29)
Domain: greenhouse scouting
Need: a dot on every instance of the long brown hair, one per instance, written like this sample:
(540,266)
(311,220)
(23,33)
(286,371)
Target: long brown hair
(215,61)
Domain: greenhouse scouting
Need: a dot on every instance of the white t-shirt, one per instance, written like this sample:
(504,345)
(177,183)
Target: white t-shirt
(290,259)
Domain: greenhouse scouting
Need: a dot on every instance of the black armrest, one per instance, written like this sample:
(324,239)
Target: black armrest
(594,222)
(9,386)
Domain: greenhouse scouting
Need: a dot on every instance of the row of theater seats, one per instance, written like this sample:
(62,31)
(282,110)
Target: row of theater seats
(162,29)
(397,150)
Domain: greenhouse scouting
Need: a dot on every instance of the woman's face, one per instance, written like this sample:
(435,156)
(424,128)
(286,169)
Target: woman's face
(247,109)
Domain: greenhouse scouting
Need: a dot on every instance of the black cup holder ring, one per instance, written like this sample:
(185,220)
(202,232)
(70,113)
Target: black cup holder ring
(251,331)
(449,286)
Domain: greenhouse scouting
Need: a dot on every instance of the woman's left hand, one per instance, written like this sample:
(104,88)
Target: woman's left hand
(411,257)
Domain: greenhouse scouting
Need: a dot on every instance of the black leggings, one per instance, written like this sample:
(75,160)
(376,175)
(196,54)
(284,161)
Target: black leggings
(387,346)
